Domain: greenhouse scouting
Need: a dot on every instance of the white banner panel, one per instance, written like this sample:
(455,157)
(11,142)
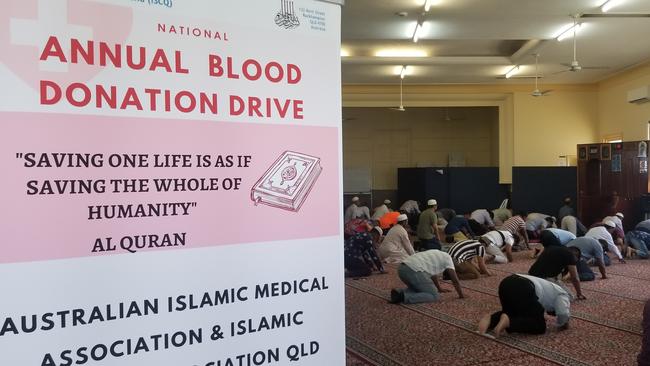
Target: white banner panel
(171,183)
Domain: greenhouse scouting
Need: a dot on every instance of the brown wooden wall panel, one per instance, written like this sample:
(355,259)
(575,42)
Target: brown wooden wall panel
(612,178)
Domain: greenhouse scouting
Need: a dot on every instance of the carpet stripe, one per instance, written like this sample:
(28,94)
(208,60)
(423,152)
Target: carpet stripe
(507,340)
(358,357)
(627,276)
(368,353)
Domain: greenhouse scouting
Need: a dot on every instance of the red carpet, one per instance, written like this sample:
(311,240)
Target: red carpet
(605,329)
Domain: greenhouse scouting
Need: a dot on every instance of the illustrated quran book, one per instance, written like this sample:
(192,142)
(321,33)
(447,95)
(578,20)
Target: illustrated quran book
(288,182)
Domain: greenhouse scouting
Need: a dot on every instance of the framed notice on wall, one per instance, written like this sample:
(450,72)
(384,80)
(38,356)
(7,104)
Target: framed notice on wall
(164,163)
(616,163)
(605,152)
(594,152)
(582,153)
(643,149)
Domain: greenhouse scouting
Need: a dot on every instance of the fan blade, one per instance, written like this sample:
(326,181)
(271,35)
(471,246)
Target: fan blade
(546,92)
(561,72)
(400,109)
(520,77)
(619,15)
(565,64)
(596,67)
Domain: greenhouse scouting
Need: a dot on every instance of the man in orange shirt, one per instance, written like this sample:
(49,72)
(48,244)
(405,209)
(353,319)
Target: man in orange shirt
(388,220)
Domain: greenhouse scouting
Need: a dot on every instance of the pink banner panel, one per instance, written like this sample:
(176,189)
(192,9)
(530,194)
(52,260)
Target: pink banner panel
(74,175)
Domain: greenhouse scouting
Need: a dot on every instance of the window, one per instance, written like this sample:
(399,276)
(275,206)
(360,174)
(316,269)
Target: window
(613,138)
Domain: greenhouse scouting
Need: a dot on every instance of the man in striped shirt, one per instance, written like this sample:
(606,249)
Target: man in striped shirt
(463,253)
(517,227)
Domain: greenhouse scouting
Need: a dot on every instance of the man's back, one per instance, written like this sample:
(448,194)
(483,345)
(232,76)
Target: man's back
(428,220)
(553,261)
(589,247)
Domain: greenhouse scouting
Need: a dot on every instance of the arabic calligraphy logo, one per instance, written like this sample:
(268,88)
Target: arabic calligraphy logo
(286,17)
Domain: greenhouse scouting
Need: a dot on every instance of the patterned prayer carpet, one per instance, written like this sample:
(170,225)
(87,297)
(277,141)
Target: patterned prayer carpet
(605,329)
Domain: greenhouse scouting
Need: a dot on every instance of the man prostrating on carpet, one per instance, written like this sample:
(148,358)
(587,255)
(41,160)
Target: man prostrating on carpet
(523,301)
(555,261)
(463,252)
(420,273)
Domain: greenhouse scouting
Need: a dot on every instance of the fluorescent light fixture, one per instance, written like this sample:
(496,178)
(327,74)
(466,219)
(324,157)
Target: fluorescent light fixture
(567,31)
(512,72)
(402,72)
(417,31)
(401,52)
(608,5)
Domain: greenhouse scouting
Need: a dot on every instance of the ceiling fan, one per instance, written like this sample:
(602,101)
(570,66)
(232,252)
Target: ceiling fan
(607,6)
(520,77)
(537,92)
(401,97)
(615,15)
(575,66)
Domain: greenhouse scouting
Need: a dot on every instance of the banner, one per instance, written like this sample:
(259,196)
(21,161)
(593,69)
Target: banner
(171,183)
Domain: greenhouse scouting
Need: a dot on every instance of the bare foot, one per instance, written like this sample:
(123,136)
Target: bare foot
(484,324)
(504,322)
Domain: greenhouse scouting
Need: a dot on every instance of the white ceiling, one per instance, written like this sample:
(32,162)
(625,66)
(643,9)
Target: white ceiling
(476,41)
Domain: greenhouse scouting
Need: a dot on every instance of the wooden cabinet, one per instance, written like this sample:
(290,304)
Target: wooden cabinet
(612,178)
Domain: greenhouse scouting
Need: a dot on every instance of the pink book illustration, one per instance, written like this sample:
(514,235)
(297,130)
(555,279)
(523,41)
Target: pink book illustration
(287,183)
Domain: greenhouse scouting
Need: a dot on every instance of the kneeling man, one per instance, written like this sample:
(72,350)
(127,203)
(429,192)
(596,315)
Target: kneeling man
(554,262)
(463,253)
(499,247)
(524,299)
(420,274)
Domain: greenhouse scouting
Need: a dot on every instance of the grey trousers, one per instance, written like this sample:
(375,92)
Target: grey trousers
(420,287)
